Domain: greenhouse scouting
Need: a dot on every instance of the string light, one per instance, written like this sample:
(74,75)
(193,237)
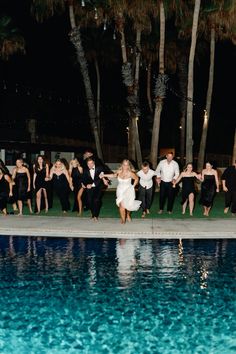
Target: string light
(96,14)
(114,35)
(82,3)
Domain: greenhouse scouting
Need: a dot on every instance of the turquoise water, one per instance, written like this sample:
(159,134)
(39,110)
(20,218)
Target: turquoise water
(116,296)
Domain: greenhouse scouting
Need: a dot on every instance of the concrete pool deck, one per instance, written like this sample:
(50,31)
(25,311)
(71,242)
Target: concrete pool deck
(111,228)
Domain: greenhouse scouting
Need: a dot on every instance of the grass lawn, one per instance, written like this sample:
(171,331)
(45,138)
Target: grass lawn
(110,210)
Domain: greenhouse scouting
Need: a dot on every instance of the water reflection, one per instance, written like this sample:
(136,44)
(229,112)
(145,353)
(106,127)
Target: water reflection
(118,262)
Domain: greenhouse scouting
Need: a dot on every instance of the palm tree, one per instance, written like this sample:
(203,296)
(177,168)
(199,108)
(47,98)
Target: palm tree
(11,41)
(160,90)
(190,89)
(218,17)
(44,10)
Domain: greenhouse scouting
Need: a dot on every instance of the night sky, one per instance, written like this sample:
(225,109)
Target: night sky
(50,89)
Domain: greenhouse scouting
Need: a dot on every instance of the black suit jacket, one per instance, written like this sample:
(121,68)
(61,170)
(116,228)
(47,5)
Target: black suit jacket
(87,179)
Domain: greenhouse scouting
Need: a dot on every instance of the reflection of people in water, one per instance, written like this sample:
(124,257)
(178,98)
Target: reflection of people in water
(126,256)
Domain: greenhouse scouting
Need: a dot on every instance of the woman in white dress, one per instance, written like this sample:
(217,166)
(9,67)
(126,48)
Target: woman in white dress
(125,192)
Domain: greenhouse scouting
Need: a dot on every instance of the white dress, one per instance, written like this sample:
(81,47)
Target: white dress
(125,194)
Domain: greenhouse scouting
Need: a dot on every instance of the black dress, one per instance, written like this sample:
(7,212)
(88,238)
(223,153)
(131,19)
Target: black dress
(208,191)
(187,188)
(76,181)
(21,181)
(4,192)
(40,179)
(61,187)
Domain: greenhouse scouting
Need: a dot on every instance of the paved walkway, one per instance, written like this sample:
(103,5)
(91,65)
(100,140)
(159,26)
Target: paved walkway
(111,228)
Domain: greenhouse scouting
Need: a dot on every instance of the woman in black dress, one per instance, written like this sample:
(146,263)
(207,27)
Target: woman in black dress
(61,184)
(188,177)
(5,190)
(21,178)
(210,185)
(76,172)
(40,178)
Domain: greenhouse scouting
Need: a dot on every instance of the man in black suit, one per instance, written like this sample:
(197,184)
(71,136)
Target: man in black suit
(93,185)
(229,187)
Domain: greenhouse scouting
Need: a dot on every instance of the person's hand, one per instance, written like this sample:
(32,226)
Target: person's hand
(83,186)
(158,180)
(101,175)
(217,190)
(28,189)
(105,181)
(89,186)
(10,194)
(225,189)
(33,186)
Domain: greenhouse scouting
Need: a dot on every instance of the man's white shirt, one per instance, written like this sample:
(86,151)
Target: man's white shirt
(167,171)
(146,178)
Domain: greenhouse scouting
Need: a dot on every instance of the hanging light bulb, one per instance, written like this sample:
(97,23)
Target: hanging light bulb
(105,24)
(114,35)
(4,85)
(96,14)
(82,3)
(16,88)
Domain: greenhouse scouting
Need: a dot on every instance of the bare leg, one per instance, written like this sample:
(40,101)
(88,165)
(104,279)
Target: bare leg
(46,200)
(20,206)
(205,210)
(208,211)
(184,206)
(29,206)
(128,215)
(79,199)
(38,200)
(4,211)
(191,203)
(122,214)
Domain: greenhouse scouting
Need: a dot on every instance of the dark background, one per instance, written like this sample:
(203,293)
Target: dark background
(46,84)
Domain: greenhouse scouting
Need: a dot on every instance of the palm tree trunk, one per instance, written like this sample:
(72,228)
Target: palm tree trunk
(183,78)
(189,121)
(76,40)
(98,97)
(234,149)
(131,140)
(159,100)
(136,92)
(202,149)
(149,73)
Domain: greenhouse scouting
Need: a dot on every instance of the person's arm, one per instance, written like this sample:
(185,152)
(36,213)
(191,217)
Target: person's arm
(47,173)
(8,179)
(108,175)
(177,180)
(217,181)
(14,174)
(158,173)
(198,176)
(69,180)
(225,189)
(135,178)
(176,170)
(34,177)
(29,179)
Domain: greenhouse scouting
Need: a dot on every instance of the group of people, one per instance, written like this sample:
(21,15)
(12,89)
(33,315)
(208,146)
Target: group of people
(88,179)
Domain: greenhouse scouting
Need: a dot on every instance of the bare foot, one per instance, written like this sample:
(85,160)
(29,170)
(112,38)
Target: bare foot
(160,211)
(129,219)
(122,222)
(169,212)
(148,211)
(46,210)
(226,210)
(95,218)
(143,214)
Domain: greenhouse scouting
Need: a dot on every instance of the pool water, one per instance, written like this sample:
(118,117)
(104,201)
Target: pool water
(117,296)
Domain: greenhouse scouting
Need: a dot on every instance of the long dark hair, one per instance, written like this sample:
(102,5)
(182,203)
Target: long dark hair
(37,163)
(3,167)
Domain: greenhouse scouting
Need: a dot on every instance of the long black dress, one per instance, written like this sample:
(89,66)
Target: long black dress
(21,181)
(4,192)
(76,181)
(208,191)
(187,188)
(61,187)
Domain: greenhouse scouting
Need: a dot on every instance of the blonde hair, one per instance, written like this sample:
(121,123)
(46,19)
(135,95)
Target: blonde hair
(131,167)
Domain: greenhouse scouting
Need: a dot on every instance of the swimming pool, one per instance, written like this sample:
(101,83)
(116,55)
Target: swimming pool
(117,296)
